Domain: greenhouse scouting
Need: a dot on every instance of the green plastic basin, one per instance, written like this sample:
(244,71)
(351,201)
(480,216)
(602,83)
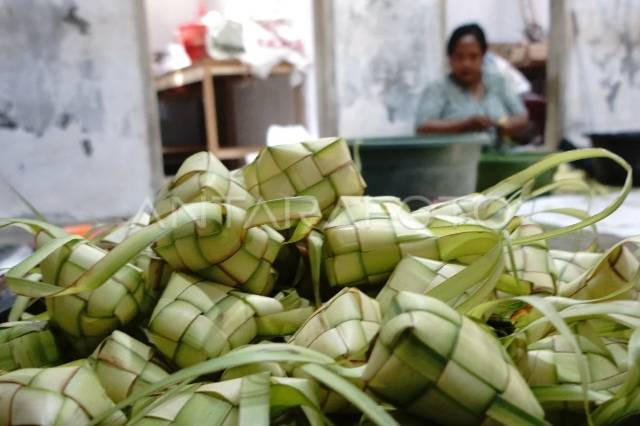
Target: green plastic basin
(496,166)
(415,168)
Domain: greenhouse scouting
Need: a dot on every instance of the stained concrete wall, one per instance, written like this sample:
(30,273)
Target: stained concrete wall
(596,73)
(502,20)
(385,54)
(78,131)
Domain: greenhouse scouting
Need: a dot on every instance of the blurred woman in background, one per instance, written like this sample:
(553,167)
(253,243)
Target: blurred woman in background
(470,99)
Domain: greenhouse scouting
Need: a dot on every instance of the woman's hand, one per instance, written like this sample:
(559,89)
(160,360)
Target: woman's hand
(511,126)
(477,123)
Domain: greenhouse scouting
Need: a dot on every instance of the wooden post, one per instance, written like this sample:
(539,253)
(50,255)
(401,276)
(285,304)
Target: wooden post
(210,115)
(298,104)
(151,105)
(556,73)
(324,66)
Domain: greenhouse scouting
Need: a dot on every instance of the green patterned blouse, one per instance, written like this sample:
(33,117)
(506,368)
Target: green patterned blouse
(446,99)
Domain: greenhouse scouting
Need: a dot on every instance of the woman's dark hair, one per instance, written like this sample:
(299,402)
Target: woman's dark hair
(464,30)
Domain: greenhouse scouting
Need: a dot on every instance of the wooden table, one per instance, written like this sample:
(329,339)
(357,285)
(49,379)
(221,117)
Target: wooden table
(203,72)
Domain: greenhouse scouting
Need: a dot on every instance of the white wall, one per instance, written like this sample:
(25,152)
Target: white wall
(385,54)
(77,125)
(502,20)
(601,93)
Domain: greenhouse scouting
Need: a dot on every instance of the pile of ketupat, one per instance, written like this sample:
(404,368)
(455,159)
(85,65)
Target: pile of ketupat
(279,293)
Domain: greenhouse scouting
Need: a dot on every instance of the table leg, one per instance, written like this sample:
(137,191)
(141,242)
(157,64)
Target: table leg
(210,115)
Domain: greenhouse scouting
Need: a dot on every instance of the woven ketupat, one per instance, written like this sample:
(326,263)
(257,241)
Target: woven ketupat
(614,270)
(27,344)
(89,316)
(418,275)
(155,270)
(365,238)
(570,265)
(120,232)
(213,404)
(441,366)
(552,361)
(472,208)
(532,262)
(195,320)
(343,327)
(246,400)
(54,396)
(202,177)
(216,246)
(321,168)
(551,369)
(124,365)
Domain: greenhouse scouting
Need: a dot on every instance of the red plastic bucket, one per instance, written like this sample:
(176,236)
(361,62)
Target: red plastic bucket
(192,36)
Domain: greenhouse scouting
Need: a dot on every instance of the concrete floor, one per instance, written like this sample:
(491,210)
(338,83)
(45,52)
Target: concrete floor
(623,223)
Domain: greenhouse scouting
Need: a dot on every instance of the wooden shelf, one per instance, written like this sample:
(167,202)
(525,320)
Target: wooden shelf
(208,67)
(204,71)
(233,153)
(182,149)
(225,153)
(522,55)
